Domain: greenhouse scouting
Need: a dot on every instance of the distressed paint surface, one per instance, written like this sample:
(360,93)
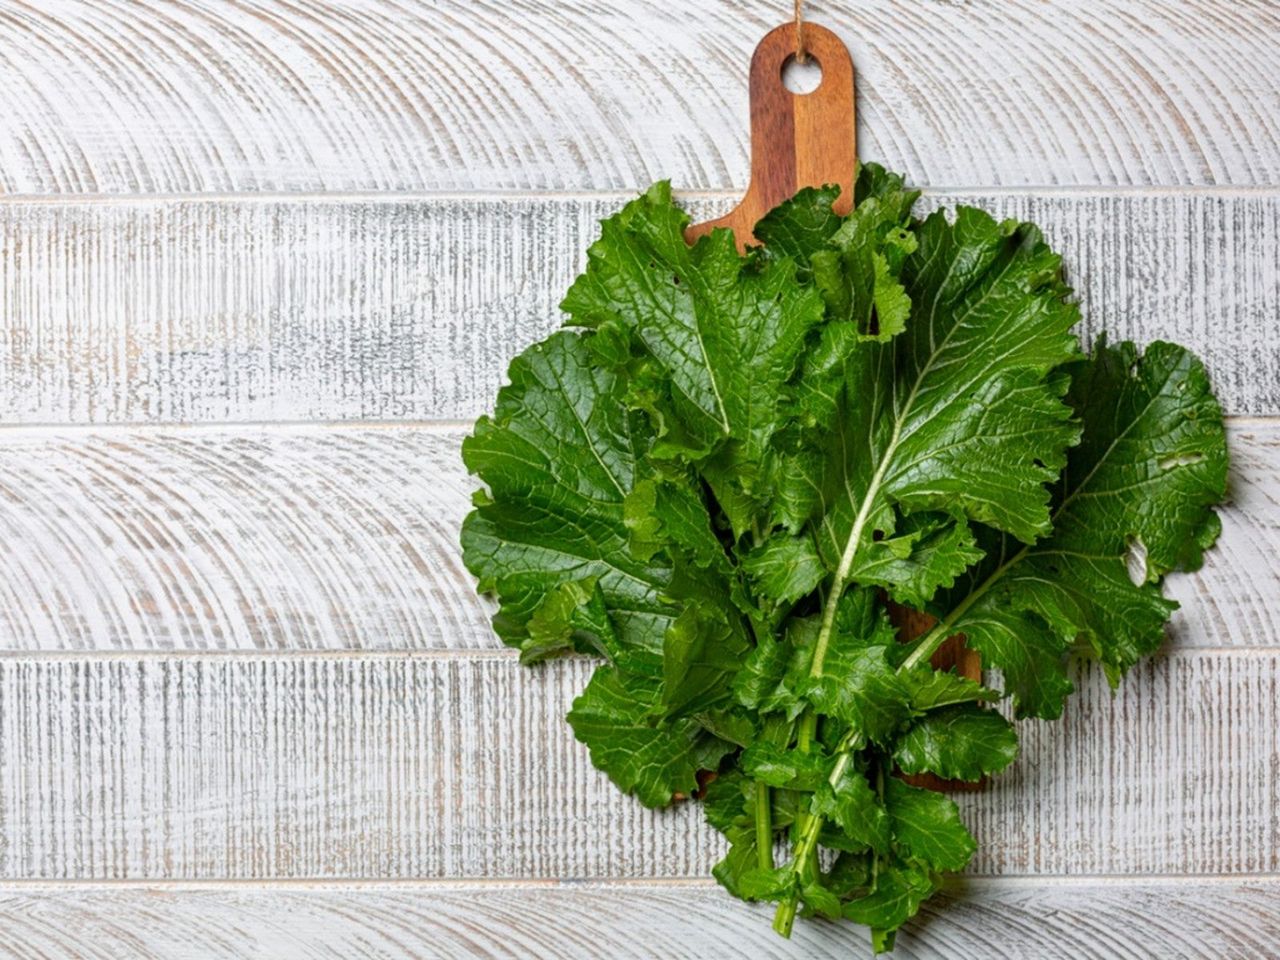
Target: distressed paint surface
(236,538)
(246,651)
(389,309)
(1000,920)
(457,766)
(311,537)
(179,96)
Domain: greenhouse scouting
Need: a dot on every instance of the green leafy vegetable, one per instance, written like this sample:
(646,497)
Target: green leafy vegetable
(719,479)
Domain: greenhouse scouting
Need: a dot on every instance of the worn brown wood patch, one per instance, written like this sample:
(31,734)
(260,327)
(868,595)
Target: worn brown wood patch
(952,653)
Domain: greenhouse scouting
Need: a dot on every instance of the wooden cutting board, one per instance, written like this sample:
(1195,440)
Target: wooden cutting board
(797,140)
(808,140)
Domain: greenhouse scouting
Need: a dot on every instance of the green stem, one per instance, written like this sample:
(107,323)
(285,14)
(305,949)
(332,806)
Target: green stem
(811,825)
(764,827)
(785,916)
(804,740)
(809,719)
(808,727)
(927,645)
(806,847)
(841,578)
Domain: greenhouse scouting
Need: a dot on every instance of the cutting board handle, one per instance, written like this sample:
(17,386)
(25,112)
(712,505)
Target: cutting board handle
(797,139)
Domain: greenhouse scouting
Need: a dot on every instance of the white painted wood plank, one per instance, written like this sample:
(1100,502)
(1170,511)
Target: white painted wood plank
(179,311)
(462,767)
(1192,919)
(304,537)
(175,96)
(245,538)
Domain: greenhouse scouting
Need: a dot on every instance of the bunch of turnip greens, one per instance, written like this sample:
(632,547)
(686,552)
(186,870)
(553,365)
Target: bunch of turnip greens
(718,477)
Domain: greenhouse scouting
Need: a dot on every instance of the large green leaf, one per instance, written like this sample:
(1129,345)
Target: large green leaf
(898,890)
(1152,463)
(959,414)
(726,332)
(560,455)
(927,827)
(959,742)
(615,717)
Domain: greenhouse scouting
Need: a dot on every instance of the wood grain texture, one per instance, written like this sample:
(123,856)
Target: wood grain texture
(797,140)
(346,538)
(246,653)
(455,767)
(997,920)
(180,311)
(249,538)
(178,96)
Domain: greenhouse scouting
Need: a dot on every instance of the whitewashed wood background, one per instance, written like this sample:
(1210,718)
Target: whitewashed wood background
(261,261)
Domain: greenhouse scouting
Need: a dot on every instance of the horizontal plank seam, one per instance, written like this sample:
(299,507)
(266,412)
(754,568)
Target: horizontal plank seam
(443,426)
(219,426)
(611,883)
(488,196)
(1185,651)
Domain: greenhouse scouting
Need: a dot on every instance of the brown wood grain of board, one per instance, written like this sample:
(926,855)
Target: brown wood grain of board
(797,140)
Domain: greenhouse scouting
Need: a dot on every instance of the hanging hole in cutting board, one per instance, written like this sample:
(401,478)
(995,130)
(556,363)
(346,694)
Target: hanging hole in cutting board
(801,78)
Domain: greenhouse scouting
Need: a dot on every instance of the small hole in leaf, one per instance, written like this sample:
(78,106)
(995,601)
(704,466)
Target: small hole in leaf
(1135,560)
(675,280)
(877,536)
(801,78)
(1180,460)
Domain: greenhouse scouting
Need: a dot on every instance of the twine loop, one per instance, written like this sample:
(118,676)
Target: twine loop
(802,54)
